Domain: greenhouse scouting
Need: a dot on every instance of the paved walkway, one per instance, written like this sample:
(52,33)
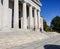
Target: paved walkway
(51,43)
(26,40)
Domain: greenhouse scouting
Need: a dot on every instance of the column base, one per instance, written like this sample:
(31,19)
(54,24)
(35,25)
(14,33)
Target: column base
(5,30)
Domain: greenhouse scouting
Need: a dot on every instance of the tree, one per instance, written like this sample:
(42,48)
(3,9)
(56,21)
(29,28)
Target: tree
(55,23)
(45,26)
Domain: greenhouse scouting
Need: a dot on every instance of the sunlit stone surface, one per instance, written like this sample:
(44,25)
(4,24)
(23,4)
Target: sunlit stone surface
(20,14)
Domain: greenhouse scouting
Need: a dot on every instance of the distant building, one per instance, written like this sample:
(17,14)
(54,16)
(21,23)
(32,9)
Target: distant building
(20,14)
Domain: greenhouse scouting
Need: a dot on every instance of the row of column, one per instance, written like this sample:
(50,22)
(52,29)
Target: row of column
(36,17)
(16,15)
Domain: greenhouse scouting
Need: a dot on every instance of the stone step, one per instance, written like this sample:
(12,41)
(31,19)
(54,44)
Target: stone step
(21,38)
(50,34)
(37,44)
(16,38)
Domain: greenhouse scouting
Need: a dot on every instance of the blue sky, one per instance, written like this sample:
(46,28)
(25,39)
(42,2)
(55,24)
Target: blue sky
(50,9)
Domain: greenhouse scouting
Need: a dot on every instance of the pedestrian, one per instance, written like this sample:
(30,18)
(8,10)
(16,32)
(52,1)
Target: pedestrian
(40,29)
(34,28)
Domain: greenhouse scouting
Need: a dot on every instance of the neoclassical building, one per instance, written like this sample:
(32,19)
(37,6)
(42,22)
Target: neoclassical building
(20,14)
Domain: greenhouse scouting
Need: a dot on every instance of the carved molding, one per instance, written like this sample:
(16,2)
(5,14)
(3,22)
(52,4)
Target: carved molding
(37,2)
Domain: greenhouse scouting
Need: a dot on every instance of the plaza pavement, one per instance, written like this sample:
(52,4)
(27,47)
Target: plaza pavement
(27,39)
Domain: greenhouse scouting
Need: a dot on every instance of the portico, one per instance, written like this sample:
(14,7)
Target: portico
(19,14)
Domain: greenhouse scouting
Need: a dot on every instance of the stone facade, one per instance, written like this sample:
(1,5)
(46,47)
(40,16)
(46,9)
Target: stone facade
(20,14)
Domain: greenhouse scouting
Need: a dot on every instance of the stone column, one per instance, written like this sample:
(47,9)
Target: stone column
(30,17)
(35,18)
(39,19)
(5,14)
(42,23)
(0,13)
(16,14)
(24,16)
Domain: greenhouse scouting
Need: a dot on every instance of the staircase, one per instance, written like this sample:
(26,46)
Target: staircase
(19,37)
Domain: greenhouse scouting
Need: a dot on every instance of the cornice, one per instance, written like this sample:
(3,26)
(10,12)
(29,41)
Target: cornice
(37,2)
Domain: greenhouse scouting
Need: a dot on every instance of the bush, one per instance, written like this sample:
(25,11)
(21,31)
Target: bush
(48,28)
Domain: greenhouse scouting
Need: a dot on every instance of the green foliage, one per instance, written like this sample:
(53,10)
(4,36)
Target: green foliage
(55,24)
(46,27)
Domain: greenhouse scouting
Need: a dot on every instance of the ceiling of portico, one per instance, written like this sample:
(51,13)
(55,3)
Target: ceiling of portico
(13,0)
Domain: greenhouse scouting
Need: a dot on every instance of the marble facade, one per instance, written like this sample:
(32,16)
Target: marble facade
(20,14)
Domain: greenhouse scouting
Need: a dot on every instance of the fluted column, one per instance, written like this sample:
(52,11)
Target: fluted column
(38,19)
(0,13)
(5,14)
(30,17)
(24,16)
(16,14)
(42,23)
(35,18)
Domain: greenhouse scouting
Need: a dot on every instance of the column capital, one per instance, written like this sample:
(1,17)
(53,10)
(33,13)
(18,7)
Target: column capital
(30,6)
(24,2)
